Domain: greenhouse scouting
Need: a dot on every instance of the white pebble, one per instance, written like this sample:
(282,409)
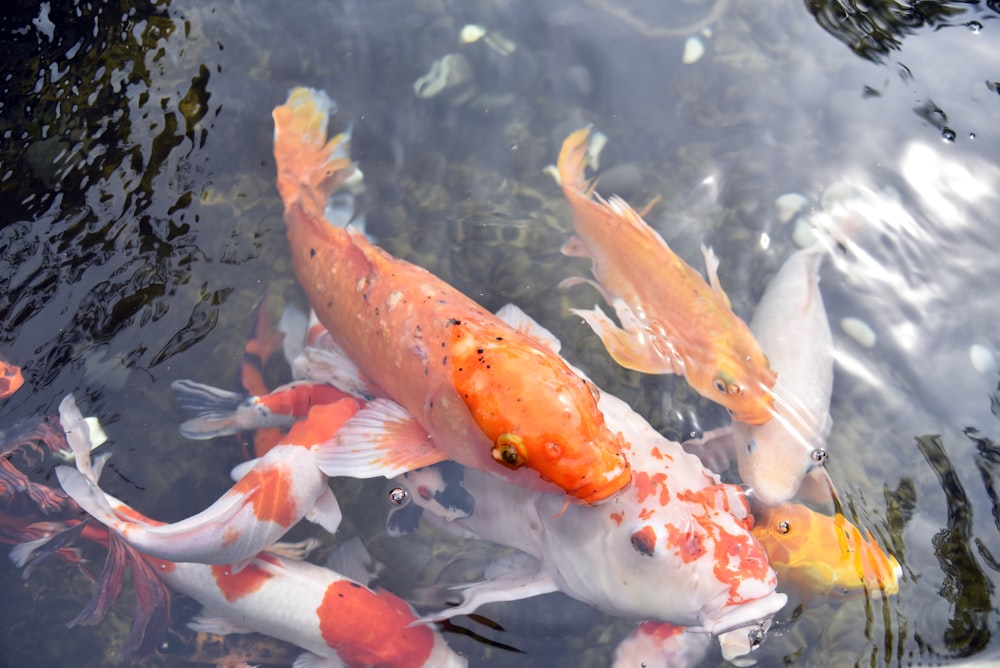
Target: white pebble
(693,50)
(803,234)
(982,359)
(859,331)
(789,205)
(471,33)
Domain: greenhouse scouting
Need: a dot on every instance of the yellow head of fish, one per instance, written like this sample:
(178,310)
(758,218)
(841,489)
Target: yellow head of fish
(739,380)
(822,554)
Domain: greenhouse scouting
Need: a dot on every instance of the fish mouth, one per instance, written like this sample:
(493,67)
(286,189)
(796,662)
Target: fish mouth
(613,482)
(744,614)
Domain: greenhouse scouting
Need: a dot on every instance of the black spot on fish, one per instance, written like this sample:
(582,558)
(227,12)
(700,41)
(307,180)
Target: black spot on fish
(499,338)
(644,541)
(452,321)
(312,252)
(479,350)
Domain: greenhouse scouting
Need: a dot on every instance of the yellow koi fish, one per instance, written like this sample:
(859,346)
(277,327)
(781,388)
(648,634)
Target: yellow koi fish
(672,320)
(821,554)
(463,385)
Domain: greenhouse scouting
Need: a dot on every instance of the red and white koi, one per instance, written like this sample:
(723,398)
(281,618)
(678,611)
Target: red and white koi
(464,385)
(219,412)
(675,546)
(271,495)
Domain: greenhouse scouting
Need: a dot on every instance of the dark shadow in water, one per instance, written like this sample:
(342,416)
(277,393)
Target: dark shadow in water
(873,30)
(965,585)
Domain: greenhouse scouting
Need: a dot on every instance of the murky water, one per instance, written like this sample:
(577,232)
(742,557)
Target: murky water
(141,227)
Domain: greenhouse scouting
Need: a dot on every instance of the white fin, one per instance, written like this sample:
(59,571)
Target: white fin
(326,513)
(512,579)
(294,324)
(331,365)
(295,551)
(77,434)
(524,323)
(712,270)
(382,439)
(715,449)
(352,560)
(216,411)
(205,623)
(87,494)
(308,660)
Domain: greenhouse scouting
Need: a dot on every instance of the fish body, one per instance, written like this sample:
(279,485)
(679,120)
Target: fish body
(220,412)
(338,621)
(271,495)
(675,546)
(672,320)
(487,395)
(817,554)
(791,325)
(11,378)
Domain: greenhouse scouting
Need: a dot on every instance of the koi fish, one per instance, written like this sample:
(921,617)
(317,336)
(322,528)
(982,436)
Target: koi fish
(219,412)
(821,554)
(791,324)
(485,394)
(661,644)
(271,494)
(11,379)
(674,529)
(672,320)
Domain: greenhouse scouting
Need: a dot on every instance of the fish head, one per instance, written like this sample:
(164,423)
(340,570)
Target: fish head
(538,414)
(774,460)
(742,382)
(819,554)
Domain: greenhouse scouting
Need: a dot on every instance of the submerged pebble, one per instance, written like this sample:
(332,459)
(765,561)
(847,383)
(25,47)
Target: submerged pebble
(789,205)
(694,49)
(860,331)
(983,360)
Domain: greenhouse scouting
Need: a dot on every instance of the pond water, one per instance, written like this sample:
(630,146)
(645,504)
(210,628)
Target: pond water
(141,227)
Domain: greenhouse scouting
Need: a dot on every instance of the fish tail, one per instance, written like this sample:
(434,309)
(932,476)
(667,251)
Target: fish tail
(310,168)
(216,411)
(573,161)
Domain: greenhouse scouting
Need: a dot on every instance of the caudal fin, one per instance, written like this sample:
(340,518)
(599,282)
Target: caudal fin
(573,160)
(215,410)
(310,168)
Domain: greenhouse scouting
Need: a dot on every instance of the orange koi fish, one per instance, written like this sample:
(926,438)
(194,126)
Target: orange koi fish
(11,379)
(672,320)
(821,554)
(487,395)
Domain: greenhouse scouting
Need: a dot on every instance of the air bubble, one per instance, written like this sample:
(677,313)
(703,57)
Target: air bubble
(398,496)
(975,27)
(948,135)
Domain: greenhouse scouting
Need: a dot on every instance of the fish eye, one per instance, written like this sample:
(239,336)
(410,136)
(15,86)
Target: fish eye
(783,527)
(819,455)
(720,385)
(507,450)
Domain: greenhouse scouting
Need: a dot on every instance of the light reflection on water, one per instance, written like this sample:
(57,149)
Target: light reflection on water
(141,227)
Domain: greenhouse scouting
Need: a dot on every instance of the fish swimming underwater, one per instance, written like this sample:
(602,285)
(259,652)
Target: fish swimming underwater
(818,554)
(675,546)
(470,387)
(271,495)
(672,320)
(11,378)
(791,324)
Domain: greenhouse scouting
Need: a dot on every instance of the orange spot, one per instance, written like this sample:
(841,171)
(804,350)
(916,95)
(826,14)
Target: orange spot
(230,536)
(688,543)
(366,628)
(646,485)
(11,379)
(235,586)
(269,490)
(617,517)
(646,513)
(321,423)
(662,630)
(134,516)
(644,540)
(656,453)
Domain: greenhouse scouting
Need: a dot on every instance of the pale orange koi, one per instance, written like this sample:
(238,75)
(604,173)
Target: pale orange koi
(822,554)
(672,320)
(487,395)
(11,379)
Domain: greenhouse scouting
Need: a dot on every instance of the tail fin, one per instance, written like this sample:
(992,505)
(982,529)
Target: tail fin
(573,160)
(310,168)
(215,410)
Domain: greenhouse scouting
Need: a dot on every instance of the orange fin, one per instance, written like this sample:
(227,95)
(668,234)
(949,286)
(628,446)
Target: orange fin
(382,439)
(712,269)
(629,347)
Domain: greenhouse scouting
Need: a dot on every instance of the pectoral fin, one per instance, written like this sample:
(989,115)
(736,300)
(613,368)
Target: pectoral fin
(382,439)
(712,269)
(633,348)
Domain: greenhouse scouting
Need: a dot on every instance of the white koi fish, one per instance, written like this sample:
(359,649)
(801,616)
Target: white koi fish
(271,495)
(675,546)
(790,322)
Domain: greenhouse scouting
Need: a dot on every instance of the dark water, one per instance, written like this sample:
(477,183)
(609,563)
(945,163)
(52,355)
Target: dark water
(141,226)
